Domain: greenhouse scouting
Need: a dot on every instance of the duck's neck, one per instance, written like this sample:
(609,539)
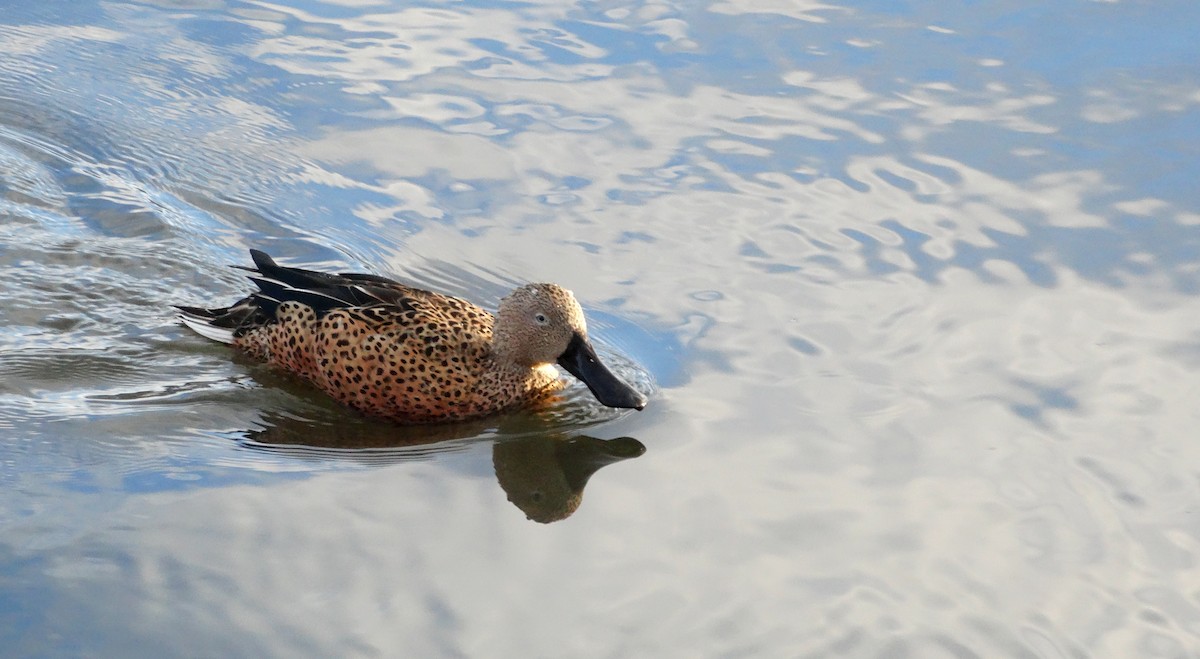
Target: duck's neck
(508,351)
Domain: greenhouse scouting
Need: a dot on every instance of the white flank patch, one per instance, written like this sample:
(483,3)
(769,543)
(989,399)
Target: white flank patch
(201,327)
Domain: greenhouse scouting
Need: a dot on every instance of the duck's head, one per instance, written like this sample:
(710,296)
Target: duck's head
(543,324)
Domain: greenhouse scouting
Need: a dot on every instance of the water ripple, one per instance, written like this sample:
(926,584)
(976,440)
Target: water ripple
(911,289)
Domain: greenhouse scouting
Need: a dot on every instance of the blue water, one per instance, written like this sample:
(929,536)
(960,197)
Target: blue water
(913,286)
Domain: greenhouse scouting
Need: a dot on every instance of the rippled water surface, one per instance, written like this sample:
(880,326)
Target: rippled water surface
(913,286)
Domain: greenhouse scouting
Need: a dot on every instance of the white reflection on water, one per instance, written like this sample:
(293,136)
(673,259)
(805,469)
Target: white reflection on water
(918,284)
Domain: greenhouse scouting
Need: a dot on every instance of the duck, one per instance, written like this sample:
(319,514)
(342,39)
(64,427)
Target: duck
(412,356)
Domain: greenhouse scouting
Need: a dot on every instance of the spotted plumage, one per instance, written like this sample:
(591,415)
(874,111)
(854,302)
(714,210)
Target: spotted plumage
(411,355)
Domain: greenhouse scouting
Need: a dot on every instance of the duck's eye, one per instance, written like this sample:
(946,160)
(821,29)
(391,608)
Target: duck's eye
(541,319)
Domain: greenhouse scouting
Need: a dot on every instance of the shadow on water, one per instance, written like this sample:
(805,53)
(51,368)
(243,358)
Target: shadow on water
(542,473)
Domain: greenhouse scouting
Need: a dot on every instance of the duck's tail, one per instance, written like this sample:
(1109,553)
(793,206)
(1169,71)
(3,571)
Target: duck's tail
(225,324)
(206,322)
(277,284)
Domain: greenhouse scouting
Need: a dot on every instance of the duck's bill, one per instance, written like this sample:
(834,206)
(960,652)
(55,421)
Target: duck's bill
(581,361)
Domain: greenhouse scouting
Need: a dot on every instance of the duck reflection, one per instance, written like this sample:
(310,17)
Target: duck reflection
(543,474)
(334,436)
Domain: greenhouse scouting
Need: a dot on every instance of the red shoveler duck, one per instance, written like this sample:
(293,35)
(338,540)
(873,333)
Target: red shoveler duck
(411,355)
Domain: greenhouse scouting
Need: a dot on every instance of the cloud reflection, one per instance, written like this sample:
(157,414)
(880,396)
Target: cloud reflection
(927,275)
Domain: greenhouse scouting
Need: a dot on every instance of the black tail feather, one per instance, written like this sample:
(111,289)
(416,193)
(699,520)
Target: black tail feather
(293,277)
(322,300)
(325,291)
(201,311)
(322,291)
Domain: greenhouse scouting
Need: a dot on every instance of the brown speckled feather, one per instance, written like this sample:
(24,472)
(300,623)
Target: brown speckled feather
(428,362)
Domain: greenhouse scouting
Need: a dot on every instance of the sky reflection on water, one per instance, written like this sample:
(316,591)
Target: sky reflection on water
(916,284)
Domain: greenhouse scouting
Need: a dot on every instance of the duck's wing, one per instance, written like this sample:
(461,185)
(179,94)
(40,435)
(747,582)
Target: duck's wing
(322,291)
(325,291)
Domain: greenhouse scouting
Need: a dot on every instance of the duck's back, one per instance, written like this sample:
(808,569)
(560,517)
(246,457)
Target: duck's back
(423,361)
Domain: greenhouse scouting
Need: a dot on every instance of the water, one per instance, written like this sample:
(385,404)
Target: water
(914,288)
